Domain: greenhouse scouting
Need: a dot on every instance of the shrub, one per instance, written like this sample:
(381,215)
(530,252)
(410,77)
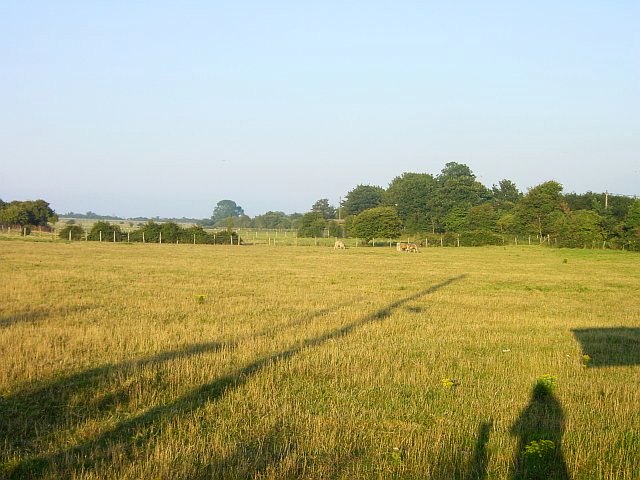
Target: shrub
(107,231)
(76,231)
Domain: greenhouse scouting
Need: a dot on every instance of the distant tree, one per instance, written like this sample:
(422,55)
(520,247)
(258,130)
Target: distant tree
(272,220)
(505,196)
(225,209)
(379,222)
(335,229)
(538,211)
(410,194)
(506,191)
(507,223)
(295,219)
(14,214)
(30,212)
(481,217)
(579,229)
(455,219)
(631,226)
(312,224)
(243,221)
(457,189)
(323,208)
(361,198)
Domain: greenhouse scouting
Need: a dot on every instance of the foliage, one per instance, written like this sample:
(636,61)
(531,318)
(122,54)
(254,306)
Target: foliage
(335,229)
(312,224)
(538,211)
(481,217)
(76,231)
(361,198)
(476,238)
(225,209)
(410,194)
(30,212)
(632,221)
(506,192)
(581,228)
(272,220)
(379,222)
(105,231)
(323,208)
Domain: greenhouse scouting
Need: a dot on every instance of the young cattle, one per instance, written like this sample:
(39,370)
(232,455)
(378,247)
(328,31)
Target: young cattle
(407,247)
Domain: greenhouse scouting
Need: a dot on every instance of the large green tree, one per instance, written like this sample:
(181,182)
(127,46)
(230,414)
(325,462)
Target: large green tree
(456,190)
(323,207)
(539,210)
(361,198)
(379,222)
(30,212)
(226,209)
(410,194)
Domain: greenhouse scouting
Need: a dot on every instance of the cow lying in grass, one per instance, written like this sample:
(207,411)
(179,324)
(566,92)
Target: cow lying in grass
(339,245)
(407,247)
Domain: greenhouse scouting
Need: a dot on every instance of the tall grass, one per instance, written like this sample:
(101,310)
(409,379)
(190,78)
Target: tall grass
(182,361)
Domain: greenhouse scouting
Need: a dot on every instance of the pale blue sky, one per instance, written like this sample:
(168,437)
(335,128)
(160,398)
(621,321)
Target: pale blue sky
(164,108)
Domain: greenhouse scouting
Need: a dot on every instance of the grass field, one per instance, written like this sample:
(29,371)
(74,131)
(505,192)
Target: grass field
(122,361)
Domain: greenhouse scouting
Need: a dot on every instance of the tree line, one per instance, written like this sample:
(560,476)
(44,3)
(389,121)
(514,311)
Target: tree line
(451,206)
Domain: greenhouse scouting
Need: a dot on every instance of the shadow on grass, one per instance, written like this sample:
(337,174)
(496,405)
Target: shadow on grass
(35,316)
(539,429)
(132,434)
(29,417)
(609,347)
(455,465)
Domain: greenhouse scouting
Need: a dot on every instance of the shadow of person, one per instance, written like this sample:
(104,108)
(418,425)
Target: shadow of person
(480,459)
(539,428)
(460,463)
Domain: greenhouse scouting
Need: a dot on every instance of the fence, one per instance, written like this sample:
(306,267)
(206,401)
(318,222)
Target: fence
(281,238)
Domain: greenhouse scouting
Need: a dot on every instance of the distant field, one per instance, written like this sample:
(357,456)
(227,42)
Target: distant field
(123,361)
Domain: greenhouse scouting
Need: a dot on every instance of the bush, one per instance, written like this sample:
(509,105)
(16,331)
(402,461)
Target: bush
(107,231)
(76,231)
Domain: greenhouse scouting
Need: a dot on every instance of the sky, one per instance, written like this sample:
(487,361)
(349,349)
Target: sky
(163,108)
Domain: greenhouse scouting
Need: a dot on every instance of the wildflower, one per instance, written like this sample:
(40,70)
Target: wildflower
(450,382)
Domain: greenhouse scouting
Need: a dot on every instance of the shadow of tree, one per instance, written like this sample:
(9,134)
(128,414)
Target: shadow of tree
(609,347)
(132,434)
(539,429)
(37,315)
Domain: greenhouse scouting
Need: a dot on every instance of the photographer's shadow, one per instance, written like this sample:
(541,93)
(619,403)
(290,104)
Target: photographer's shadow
(539,429)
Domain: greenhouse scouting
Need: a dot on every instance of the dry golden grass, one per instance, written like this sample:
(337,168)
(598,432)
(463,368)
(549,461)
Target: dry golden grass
(178,361)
